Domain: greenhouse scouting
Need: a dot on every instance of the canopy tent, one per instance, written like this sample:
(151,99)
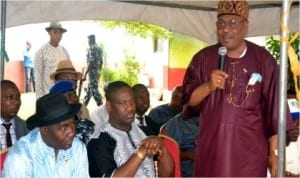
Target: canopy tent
(194,18)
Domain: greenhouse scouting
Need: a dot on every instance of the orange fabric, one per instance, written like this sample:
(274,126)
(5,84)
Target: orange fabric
(3,155)
(173,149)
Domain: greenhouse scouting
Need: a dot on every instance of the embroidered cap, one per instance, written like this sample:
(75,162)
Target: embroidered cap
(229,7)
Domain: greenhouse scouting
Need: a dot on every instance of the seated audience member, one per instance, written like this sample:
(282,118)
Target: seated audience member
(293,134)
(66,71)
(142,104)
(292,153)
(12,127)
(50,150)
(162,113)
(99,116)
(84,127)
(122,149)
(184,129)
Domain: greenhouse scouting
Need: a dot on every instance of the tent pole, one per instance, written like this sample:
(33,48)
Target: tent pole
(3,27)
(284,36)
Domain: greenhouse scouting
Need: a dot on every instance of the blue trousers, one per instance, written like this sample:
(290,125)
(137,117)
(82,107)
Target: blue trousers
(29,77)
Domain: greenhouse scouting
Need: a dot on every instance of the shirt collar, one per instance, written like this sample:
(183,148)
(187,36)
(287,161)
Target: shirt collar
(137,121)
(3,121)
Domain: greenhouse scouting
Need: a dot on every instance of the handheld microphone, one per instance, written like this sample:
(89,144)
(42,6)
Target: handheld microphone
(222,51)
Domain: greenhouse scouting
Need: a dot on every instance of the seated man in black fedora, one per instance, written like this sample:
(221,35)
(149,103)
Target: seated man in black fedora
(50,150)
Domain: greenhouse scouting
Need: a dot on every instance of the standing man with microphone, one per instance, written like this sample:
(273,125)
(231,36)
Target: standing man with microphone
(238,130)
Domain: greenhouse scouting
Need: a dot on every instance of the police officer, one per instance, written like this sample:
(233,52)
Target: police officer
(94,62)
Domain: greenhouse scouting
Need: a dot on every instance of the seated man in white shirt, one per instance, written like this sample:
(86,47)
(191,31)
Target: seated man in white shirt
(99,116)
(122,149)
(49,150)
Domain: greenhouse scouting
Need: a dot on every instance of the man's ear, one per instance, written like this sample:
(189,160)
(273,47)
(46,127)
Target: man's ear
(43,130)
(108,106)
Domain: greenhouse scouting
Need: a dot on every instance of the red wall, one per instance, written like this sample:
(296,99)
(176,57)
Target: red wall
(172,77)
(175,77)
(14,71)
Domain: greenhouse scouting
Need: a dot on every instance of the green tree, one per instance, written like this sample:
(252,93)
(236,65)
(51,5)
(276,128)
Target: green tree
(128,71)
(273,46)
(140,29)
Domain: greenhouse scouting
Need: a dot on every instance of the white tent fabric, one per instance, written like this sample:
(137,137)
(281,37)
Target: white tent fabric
(194,18)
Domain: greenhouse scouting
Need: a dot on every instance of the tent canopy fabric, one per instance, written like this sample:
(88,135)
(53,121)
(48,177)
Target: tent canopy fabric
(194,18)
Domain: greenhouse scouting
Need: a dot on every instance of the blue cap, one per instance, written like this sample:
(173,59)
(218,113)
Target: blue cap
(62,86)
(92,36)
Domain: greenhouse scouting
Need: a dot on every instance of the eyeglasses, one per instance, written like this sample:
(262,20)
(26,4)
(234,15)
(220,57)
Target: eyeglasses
(233,24)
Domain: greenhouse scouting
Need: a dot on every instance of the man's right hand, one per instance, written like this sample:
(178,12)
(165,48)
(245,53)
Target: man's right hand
(217,79)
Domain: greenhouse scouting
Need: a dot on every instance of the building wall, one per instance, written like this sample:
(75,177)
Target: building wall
(182,49)
(14,71)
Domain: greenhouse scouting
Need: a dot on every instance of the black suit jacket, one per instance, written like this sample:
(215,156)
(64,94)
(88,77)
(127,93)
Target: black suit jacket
(20,127)
(152,128)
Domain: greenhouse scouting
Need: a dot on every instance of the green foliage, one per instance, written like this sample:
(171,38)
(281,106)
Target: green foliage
(127,72)
(273,46)
(107,74)
(132,70)
(104,53)
(140,29)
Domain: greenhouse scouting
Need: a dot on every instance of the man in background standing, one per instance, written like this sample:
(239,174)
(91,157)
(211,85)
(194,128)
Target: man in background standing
(47,58)
(94,62)
(28,66)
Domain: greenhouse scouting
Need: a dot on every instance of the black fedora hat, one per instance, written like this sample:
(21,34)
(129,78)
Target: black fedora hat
(51,109)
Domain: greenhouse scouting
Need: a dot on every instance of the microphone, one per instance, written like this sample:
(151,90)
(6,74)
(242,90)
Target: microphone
(222,51)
